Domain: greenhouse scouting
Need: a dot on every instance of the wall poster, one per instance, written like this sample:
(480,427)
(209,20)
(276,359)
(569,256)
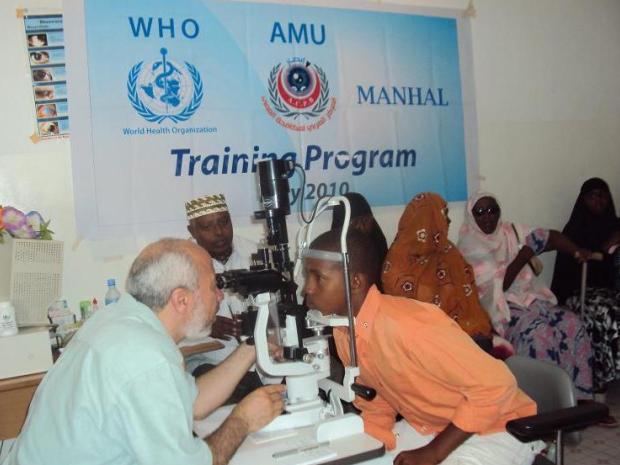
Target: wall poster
(46,54)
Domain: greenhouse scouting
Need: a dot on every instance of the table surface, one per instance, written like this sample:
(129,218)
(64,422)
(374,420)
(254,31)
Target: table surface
(267,448)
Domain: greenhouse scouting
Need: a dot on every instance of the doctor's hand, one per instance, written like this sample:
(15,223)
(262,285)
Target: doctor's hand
(260,407)
(226,328)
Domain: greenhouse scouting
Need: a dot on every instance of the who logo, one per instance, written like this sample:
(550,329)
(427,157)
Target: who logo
(163,89)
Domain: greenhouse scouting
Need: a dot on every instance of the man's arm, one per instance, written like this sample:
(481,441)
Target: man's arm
(251,414)
(435,451)
(215,386)
(487,386)
(379,418)
(489,391)
(378,414)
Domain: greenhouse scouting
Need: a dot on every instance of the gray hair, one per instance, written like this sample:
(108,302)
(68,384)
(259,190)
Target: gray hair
(162,267)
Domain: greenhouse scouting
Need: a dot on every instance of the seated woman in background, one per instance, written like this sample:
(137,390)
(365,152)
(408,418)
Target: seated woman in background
(423,264)
(593,224)
(523,309)
(361,220)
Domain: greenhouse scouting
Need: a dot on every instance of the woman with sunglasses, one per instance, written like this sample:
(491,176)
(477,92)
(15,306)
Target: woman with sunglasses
(521,307)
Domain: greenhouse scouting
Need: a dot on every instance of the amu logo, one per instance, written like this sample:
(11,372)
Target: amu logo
(164,90)
(297,90)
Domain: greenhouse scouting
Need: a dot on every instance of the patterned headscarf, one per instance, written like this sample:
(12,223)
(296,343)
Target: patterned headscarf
(490,255)
(423,264)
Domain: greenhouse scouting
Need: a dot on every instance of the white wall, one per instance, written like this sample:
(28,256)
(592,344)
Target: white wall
(546,75)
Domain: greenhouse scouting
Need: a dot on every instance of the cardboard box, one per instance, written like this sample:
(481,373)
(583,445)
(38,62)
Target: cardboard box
(27,352)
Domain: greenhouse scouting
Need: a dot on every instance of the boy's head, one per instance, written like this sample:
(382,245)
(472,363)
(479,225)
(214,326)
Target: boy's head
(324,280)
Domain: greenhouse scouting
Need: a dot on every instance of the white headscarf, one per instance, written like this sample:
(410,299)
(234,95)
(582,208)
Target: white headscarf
(490,255)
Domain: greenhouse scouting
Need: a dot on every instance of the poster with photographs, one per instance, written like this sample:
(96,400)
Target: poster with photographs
(46,54)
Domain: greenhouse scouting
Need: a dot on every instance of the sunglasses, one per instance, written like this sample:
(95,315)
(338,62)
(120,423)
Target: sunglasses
(492,210)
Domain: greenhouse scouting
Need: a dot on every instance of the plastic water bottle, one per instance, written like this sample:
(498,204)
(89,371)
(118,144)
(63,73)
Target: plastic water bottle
(112,294)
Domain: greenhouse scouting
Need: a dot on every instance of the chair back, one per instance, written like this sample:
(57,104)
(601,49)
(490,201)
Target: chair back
(546,383)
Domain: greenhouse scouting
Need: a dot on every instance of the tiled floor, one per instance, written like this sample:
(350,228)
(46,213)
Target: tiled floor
(599,446)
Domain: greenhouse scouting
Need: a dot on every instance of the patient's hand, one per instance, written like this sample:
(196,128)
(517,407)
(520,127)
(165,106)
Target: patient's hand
(422,456)
(276,352)
(435,451)
(226,328)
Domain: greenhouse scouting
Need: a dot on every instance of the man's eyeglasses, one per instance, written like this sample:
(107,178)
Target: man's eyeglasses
(492,210)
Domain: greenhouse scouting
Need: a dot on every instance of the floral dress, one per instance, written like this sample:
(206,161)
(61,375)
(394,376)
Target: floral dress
(544,331)
(526,313)
(600,316)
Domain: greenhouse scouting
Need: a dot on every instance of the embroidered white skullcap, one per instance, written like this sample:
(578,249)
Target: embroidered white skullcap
(205,205)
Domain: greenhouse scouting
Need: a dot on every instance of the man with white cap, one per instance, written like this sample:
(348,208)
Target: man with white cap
(210,225)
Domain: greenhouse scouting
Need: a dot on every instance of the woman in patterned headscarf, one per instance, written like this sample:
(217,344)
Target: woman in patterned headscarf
(423,264)
(521,307)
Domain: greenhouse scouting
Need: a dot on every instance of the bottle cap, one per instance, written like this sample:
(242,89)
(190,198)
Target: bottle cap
(111,282)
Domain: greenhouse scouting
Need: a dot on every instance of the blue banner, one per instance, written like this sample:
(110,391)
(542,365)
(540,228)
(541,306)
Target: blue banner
(186,97)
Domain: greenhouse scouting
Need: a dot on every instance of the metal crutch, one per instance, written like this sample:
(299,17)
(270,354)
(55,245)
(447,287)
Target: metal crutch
(582,292)
(584,278)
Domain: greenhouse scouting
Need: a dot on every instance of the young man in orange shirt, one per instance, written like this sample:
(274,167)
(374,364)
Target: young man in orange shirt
(422,365)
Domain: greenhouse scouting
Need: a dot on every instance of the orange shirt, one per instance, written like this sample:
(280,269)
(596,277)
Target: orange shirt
(425,367)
